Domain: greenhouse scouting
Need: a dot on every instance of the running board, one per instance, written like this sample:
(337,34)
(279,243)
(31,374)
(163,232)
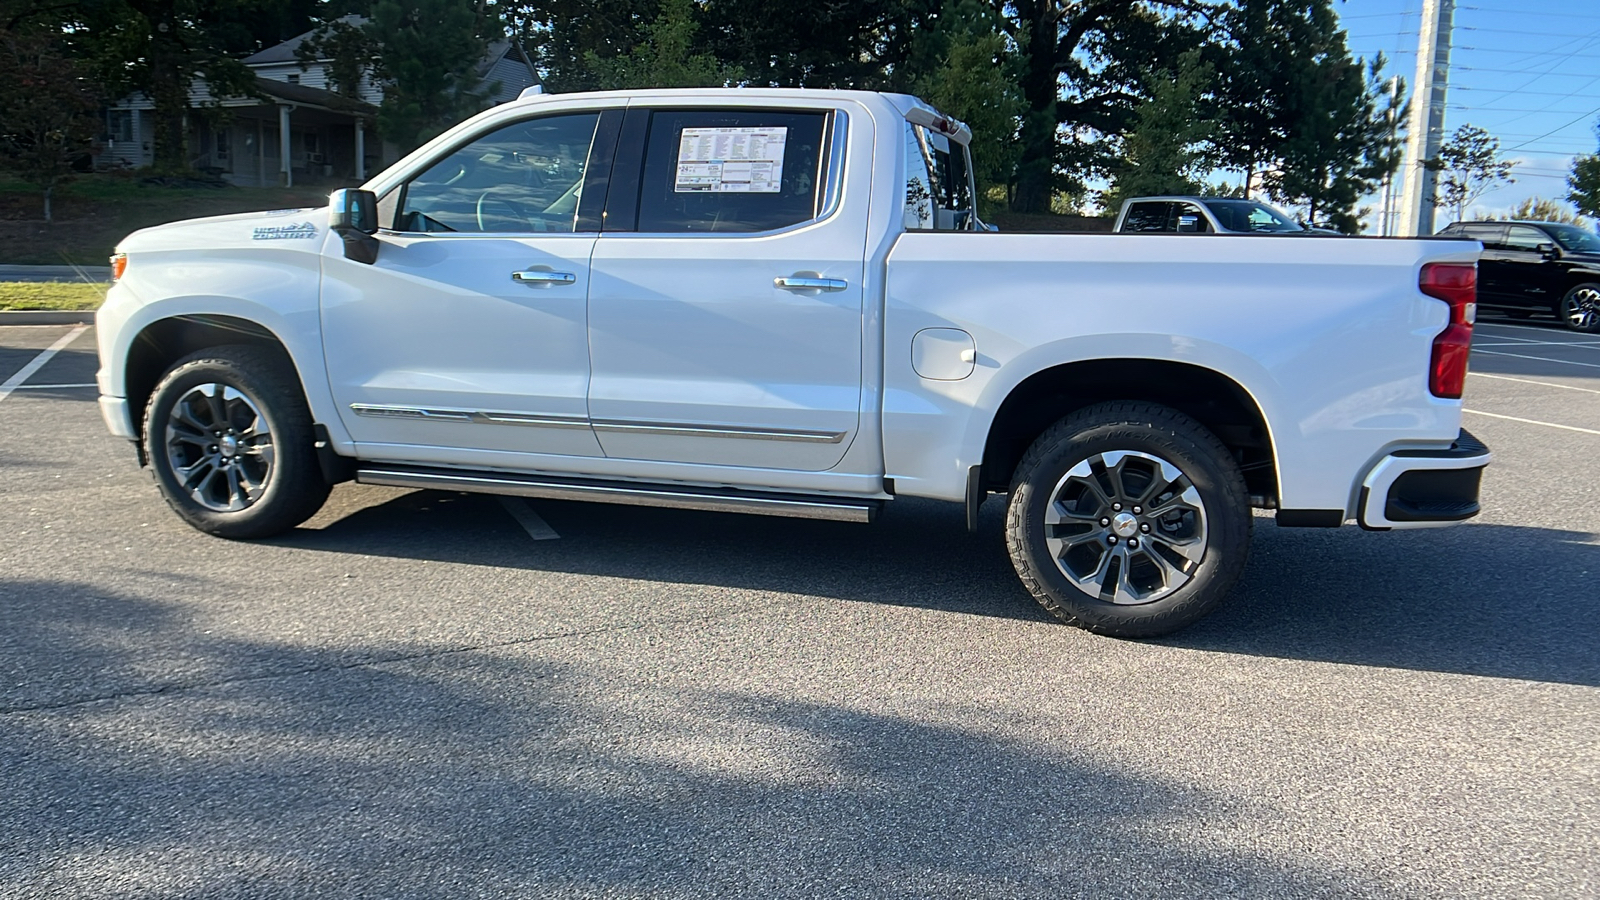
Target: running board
(626,493)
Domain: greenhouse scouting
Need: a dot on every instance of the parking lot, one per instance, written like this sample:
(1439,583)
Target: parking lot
(429,694)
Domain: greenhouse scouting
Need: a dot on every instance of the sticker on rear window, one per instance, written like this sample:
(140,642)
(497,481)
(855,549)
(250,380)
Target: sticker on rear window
(742,160)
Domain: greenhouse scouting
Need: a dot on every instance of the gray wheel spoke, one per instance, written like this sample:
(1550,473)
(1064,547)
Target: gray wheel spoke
(1126,527)
(225,464)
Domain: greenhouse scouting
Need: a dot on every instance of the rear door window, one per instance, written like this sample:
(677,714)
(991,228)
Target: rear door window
(1526,238)
(1151,216)
(1493,237)
(732,170)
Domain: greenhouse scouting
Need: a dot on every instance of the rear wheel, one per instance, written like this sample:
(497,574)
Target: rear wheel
(1128,519)
(1580,308)
(230,442)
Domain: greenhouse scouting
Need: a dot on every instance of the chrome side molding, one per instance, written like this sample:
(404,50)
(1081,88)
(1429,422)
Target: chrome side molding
(616,426)
(625,493)
(623,426)
(476,416)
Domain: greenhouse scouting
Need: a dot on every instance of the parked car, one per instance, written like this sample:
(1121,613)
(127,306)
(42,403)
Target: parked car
(1537,267)
(783,302)
(1206,215)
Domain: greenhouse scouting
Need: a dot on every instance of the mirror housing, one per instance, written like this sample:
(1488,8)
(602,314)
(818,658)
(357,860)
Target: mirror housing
(353,215)
(1548,250)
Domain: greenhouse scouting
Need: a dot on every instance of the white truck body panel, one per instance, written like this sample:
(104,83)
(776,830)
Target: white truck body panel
(1330,338)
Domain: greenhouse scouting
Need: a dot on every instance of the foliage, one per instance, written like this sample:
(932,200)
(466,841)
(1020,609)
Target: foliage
(1538,209)
(1584,184)
(427,63)
(347,49)
(665,58)
(47,113)
(1469,165)
(562,33)
(1343,145)
(974,80)
(1167,148)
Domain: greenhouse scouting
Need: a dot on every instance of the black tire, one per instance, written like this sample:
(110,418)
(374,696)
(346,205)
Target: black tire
(287,480)
(1580,308)
(1216,536)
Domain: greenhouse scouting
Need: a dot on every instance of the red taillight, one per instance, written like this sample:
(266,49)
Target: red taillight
(1457,285)
(119,264)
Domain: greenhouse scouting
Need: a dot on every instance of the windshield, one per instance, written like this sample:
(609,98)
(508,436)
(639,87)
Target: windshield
(1248,215)
(1574,239)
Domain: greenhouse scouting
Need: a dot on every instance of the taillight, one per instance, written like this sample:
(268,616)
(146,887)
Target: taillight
(119,264)
(1457,285)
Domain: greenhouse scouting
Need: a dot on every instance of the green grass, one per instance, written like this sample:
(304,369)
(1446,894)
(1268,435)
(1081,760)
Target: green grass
(50,295)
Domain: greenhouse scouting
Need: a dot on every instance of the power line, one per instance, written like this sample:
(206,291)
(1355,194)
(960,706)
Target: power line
(1554,130)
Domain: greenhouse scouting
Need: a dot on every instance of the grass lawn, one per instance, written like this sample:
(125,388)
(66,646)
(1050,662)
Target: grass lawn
(94,212)
(50,295)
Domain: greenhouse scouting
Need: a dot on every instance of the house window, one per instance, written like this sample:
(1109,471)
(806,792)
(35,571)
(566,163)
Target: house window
(119,125)
(224,143)
(294,77)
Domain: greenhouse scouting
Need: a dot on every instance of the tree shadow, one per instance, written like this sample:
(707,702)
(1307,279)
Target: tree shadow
(1477,599)
(512,773)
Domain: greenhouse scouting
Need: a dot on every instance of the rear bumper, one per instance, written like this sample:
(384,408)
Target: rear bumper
(1424,488)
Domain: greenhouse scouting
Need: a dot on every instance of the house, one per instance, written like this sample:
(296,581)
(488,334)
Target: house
(300,131)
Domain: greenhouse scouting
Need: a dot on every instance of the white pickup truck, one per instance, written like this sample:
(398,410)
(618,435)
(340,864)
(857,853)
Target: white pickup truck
(783,302)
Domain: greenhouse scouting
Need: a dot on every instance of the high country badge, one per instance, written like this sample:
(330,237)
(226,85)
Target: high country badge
(284,232)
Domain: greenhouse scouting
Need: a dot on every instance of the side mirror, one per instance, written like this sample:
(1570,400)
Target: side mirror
(1547,250)
(1188,224)
(353,215)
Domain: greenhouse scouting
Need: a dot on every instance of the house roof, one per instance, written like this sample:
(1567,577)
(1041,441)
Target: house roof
(288,51)
(310,96)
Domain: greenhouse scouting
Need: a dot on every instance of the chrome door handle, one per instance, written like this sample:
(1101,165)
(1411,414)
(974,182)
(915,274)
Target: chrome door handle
(541,279)
(796,283)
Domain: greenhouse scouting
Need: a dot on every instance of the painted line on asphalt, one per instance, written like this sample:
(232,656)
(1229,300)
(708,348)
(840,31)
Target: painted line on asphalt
(51,387)
(1519,342)
(1547,332)
(1563,362)
(537,528)
(1477,412)
(37,363)
(1530,381)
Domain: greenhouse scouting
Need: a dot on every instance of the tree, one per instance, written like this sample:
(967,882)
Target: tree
(429,53)
(48,111)
(1469,165)
(348,51)
(1343,145)
(1584,184)
(159,48)
(563,32)
(1166,151)
(972,77)
(1538,209)
(665,58)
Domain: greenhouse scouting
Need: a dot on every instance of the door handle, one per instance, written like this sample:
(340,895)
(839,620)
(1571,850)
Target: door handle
(543,279)
(797,283)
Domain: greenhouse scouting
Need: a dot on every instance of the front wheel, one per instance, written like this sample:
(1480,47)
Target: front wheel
(230,442)
(1128,519)
(1580,308)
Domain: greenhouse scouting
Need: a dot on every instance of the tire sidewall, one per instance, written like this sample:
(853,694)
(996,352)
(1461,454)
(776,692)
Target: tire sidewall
(1228,525)
(261,515)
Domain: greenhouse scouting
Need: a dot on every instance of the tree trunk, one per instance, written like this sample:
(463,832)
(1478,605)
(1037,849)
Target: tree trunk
(1040,91)
(169,90)
(48,190)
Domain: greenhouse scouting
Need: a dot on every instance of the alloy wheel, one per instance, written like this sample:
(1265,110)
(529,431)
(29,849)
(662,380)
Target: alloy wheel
(220,447)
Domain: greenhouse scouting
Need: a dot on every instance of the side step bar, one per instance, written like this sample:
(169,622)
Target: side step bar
(626,493)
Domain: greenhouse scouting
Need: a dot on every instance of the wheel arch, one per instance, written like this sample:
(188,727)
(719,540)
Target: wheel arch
(1216,401)
(164,341)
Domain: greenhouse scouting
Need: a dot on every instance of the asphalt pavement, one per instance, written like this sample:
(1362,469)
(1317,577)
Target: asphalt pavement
(412,696)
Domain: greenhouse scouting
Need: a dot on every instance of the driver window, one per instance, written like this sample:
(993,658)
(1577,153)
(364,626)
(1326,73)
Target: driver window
(525,177)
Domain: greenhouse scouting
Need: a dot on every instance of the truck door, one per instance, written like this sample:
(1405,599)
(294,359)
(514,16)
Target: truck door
(726,311)
(468,333)
(1530,277)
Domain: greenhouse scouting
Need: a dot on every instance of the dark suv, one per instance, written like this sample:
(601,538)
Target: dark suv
(1529,267)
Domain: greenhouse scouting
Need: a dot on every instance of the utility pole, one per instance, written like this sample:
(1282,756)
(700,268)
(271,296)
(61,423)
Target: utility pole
(1426,124)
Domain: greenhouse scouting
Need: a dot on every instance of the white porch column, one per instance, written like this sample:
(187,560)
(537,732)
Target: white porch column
(361,150)
(285,164)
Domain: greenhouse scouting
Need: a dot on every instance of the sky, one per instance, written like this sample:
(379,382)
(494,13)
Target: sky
(1527,71)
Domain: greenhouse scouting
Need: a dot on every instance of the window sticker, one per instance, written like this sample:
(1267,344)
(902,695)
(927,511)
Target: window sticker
(744,160)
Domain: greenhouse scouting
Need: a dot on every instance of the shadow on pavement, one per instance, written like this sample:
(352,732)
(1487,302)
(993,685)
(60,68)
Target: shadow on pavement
(1488,600)
(505,774)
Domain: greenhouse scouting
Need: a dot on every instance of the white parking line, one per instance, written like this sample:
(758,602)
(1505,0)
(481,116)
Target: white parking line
(1564,362)
(1530,381)
(51,387)
(38,362)
(537,528)
(1477,412)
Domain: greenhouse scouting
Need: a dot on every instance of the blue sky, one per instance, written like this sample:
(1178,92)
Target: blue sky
(1527,71)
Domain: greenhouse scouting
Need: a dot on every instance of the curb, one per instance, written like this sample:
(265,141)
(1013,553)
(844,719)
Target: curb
(46,317)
